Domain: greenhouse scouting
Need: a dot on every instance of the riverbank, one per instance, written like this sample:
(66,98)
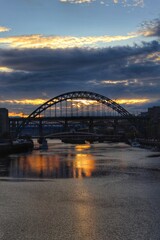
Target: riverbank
(16,146)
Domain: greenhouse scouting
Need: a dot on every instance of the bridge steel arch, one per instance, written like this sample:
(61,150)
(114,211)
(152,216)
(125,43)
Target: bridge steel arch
(76,95)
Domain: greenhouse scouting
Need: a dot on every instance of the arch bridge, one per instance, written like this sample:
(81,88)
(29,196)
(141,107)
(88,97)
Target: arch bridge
(76,106)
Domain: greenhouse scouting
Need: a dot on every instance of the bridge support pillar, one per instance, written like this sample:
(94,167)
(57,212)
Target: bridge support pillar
(115,126)
(40,128)
(66,125)
(91,125)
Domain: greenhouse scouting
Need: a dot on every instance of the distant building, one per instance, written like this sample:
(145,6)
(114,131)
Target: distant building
(4,122)
(154,122)
(154,112)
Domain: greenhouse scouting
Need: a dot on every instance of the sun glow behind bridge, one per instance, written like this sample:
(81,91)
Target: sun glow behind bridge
(81,104)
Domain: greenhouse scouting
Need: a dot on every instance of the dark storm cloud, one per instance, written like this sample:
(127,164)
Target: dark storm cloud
(151,28)
(65,59)
(62,70)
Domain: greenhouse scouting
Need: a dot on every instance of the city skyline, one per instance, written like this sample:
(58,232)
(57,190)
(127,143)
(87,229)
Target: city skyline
(108,47)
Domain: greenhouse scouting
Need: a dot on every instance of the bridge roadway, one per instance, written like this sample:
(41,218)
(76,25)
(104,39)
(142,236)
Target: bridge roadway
(78,118)
(64,120)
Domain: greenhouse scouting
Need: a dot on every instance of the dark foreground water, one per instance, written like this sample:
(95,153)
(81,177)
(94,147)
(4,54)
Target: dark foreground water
(100,191)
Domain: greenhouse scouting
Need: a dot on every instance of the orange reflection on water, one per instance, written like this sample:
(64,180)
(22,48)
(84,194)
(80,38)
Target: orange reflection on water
(85,164)
(82,147)
(39,165)
(76,165)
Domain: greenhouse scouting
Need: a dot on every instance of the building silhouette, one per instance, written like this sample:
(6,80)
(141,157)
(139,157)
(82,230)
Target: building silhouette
(4,122)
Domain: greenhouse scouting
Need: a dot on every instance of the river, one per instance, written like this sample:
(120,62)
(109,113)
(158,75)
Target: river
(99,191)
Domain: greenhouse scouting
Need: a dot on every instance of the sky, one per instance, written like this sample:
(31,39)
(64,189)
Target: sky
(110,47)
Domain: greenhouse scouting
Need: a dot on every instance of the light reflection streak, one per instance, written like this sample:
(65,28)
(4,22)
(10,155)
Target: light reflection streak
(83,210)
(82,147)
(85,164)
(76,165)
(35,166)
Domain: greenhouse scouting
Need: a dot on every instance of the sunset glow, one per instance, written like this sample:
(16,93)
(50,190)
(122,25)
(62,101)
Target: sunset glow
(15,114)
(33,102)
(56,42)
(132,101)
(6,69)
(75,102)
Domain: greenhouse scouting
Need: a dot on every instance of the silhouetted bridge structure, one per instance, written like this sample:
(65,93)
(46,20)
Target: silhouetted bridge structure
(82,107)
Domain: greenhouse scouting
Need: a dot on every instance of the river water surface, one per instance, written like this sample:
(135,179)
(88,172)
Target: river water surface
(99,191)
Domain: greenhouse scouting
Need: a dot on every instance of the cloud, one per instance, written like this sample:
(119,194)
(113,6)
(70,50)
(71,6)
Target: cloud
(150,28)
(132,101)
(125,3)
(35,102)
(17,114)
(6,69)
(42,60)
(24,101)
(117,72)
(4,29)
(54,42)
(21,104)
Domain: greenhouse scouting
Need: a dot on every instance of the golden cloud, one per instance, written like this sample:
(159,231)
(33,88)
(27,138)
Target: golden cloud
(6,69)
(19,114)
(150,28)
(25,101)
(119,101)
(155,57)
(132,101)
(85,102)
(54,42)
(4,29)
